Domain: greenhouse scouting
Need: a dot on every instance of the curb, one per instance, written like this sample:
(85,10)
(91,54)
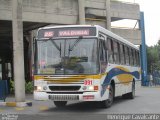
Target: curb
(16,104)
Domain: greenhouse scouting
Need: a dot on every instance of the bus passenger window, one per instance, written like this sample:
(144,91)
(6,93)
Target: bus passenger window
(110,50)
(134,57)
(126,55)
(132,61)
(138,59)
(116,54)
(122,54)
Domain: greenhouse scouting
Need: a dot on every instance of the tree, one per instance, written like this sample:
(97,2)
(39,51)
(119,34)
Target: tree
(153,57)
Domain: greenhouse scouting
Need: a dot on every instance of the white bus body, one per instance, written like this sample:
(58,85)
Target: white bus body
(103,71)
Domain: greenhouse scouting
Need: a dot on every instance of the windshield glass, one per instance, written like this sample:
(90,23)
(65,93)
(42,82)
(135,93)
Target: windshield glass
(67,56)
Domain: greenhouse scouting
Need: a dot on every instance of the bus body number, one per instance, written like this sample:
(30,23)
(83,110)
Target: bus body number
(88,82)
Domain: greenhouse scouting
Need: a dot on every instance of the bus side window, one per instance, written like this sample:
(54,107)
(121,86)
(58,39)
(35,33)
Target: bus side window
(116,54)
(135,60)
(122,54)
(132,61)
(103,55)
(119,55)
(133,56)
(110,50)
(126,55)
(139,59)
(130,57)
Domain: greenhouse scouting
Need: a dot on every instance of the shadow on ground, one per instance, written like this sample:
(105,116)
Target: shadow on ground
(85,106)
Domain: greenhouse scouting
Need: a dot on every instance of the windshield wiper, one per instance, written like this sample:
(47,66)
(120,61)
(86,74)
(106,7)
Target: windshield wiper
(75,43)
(55,44)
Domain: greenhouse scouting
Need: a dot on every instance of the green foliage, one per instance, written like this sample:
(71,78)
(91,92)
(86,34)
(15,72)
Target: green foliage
(153,57)
(28,87)
(12,86)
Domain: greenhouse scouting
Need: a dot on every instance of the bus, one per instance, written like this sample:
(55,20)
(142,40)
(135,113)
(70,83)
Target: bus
(84,63)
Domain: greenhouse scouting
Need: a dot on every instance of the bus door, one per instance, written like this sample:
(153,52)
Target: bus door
(103,52)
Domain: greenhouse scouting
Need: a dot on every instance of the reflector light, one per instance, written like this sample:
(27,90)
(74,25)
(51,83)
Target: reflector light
(95,87)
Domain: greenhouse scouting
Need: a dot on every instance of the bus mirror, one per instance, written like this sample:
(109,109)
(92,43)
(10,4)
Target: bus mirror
(34,40)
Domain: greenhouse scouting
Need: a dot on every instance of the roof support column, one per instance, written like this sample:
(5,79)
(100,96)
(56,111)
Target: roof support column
(143,51)
(18,51)
(81,12)
(108,15)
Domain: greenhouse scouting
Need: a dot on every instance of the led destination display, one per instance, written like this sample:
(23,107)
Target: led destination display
(67,32)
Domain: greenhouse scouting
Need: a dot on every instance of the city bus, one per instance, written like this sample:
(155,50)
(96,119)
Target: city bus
(84,63)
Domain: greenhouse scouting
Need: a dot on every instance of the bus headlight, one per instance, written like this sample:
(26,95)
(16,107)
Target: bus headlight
(91,87)
(37,88)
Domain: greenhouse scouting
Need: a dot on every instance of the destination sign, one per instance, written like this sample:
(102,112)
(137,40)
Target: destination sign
(48,34)
(67,32)
(73,33)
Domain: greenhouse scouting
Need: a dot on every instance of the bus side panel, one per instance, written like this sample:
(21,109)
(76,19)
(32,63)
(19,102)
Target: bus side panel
(123,77)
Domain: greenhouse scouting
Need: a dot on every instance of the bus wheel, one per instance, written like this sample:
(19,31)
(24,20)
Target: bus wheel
(107,103)
(130,95)
(60,103)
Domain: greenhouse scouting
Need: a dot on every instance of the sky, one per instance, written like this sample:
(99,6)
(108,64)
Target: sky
(151,9)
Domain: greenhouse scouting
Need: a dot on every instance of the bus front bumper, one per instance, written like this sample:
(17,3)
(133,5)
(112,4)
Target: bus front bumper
(86,96)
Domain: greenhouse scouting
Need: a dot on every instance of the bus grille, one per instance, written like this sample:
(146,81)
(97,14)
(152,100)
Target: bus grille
(63,97)
(64,88)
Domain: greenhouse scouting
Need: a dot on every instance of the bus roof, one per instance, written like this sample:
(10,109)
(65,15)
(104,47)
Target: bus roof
(113,35)
(98,28)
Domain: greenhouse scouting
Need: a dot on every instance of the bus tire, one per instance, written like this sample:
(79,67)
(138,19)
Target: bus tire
(130,95)
(107,103)
(60,104)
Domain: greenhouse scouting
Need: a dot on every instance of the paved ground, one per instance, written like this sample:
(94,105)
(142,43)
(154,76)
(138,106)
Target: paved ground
(147,101)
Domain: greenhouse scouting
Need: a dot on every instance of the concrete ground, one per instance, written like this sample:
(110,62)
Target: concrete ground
(147,101)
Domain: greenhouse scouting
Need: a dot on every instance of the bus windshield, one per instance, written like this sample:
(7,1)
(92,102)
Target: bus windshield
(67,56)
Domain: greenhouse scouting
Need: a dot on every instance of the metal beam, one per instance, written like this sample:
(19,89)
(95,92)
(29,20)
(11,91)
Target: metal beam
(143,51)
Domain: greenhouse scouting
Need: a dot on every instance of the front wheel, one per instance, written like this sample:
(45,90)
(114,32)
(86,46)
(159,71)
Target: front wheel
(60,103)
(107,103)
